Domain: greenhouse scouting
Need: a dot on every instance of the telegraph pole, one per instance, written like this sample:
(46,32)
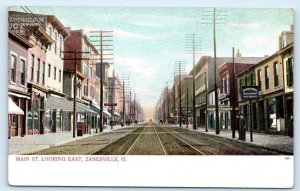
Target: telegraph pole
(187,108)
(112,100)
(232,101)
(101,43)
(215,76)
(195,47)
(214,17)
(174,99)
(123,116)
(130,110)
(75,59)
(168,106)
(180,93)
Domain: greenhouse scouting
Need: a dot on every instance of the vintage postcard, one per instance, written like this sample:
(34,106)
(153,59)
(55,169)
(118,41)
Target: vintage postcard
(120,96)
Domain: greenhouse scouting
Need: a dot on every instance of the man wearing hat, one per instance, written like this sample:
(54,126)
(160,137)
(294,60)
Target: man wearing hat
(242,127)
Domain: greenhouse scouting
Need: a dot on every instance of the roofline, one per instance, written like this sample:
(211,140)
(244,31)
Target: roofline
(267,59)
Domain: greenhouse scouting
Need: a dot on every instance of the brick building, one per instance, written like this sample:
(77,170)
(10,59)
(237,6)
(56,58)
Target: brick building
(272,112)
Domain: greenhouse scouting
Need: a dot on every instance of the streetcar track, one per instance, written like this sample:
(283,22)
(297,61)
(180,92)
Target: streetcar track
(112,142)
(184,141)
(135,141)
(219,141)
(165,152)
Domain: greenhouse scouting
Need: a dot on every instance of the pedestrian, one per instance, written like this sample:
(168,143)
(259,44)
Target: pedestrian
(243,127)
(239,127)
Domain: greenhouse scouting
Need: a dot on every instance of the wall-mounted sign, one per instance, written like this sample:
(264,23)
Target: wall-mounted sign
(222,96)
(249,92)
(110,104)
(18,20)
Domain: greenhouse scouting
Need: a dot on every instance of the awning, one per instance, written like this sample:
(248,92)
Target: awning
(13,108)
(117,114)
(60,103)
(105,111)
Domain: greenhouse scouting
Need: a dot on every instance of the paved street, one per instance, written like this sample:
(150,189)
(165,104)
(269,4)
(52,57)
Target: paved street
(153,139)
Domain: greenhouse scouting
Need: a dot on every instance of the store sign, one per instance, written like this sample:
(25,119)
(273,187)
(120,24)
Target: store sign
(222,96)
(110,104)
(221,108)
(249,92)
(17,21)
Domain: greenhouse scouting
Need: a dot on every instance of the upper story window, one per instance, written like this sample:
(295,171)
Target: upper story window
(49,70)
(55,44)
(43,73)
(38,71)
(267,78)
(259,79)
(22,71)
(276,74)
(289,72)
(50,33)
(54,73)
(13,67)
(61,41)
(32,67)
(59,77)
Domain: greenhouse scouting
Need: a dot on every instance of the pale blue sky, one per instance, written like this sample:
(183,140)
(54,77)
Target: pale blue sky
(148,40)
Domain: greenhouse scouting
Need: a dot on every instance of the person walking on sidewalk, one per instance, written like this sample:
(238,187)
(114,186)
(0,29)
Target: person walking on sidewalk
(239,128)
(242,127)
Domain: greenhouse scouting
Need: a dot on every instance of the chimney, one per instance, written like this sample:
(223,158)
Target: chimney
(238,54)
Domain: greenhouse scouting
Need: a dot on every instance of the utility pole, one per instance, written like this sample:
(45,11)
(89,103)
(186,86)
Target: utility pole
(215,76)
(75,85)
(130,110)
(215,17)
(195,47)
(123,116)
(174,100)
(112,100)
(168,106)
(232,96)
(134,104)
(180,93)
(187,108)
(101,43)
(206,99)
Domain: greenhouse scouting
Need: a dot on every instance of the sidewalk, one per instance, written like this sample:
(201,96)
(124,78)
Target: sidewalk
(33,143)
(281,143)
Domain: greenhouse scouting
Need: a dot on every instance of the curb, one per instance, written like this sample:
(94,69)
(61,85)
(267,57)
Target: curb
(252,144)
(246,143)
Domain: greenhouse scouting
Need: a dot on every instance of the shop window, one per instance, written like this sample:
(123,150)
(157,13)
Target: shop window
(13,67)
